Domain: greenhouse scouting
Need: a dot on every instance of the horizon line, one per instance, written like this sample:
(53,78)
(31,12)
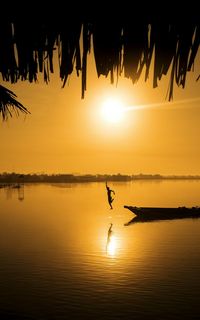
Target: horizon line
(104,174)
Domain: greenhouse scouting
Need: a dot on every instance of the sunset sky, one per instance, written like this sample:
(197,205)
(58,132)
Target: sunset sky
(67,134)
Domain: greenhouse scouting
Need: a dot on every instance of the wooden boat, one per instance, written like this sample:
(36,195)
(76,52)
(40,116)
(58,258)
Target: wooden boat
(145,214)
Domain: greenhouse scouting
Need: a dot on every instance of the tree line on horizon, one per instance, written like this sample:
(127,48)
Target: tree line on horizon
(13,177)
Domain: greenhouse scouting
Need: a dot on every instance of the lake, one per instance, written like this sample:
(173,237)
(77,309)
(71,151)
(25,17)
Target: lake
(58,260)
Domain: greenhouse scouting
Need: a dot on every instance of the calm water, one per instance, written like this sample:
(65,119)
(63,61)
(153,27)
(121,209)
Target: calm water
(56,261)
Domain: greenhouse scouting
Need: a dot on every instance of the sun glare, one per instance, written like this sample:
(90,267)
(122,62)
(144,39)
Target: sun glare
(113,110)
(111,247)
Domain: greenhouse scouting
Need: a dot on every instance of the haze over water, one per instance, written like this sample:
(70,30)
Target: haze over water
(58,263)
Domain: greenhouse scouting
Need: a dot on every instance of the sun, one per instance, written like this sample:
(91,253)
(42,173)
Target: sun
(112,110)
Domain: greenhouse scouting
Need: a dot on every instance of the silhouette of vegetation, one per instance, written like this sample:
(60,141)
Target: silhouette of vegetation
(123,45)
(65,178)
(9,104)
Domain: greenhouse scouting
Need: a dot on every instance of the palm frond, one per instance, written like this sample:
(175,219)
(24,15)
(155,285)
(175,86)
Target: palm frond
(9,104)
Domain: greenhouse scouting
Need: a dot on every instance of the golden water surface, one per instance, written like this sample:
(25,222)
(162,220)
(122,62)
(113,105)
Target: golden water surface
(66,255)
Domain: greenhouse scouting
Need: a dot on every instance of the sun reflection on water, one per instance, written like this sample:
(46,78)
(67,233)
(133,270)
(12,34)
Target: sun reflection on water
(111,246)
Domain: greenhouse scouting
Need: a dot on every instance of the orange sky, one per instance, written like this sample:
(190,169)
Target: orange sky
(65,134)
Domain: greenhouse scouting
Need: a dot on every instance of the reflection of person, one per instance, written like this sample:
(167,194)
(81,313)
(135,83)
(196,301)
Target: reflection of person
(109,236)
(109,193)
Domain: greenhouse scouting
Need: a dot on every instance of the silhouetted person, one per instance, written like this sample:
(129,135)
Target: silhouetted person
(109,194)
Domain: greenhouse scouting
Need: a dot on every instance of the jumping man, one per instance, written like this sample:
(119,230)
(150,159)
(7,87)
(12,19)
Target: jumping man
(109,194)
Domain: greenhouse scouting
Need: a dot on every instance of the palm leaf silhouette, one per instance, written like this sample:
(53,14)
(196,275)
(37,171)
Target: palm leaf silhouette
(9,104)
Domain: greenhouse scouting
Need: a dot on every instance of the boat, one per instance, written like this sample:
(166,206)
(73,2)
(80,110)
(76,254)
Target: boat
(147,214)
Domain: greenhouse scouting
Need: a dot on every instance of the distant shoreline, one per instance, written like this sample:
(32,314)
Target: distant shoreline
(71,178)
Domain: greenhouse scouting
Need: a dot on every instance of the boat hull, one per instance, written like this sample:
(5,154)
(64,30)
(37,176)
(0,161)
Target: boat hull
(145,214)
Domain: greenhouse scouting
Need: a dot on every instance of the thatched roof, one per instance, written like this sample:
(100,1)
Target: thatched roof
(122,46)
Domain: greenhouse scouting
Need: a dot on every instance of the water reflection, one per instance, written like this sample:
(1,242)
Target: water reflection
(111,242)
(137,219)
(61,256)
(11,189)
